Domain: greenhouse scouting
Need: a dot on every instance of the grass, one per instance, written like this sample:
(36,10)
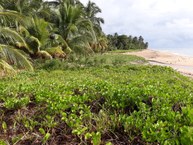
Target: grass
(80,62)
(124,51)
(108,104)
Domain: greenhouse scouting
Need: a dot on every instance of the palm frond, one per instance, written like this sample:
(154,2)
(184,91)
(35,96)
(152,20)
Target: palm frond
(12,37)
(87,26)
(5,67)
(12,34)
(62,41)
(39,28)
(79,44)
(33,43)
(9,17)
(44,54)
(15,57)
(23,31)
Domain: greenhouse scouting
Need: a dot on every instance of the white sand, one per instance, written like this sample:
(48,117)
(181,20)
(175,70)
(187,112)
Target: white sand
(183,64)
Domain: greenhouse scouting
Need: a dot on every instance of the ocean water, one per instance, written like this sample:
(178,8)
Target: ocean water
(178,51)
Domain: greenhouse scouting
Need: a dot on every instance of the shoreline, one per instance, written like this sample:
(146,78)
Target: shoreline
(182,64)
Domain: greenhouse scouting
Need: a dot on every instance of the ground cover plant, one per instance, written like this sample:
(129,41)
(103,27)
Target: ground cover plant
(110,104)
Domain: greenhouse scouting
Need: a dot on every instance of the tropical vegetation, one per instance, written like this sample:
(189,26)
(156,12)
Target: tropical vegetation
(124,42)
(34,29)
(101,101)
(77,94)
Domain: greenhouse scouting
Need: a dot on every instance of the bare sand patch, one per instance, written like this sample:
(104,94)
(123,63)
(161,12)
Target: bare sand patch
(183,64)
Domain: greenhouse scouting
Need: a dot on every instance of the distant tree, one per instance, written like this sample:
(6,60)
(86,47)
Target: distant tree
(146,45)
(141,39)
(126,42)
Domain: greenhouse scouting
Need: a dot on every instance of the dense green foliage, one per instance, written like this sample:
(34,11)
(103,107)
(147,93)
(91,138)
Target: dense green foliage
(32,29)
(108,104)
(38,29)
(124,42)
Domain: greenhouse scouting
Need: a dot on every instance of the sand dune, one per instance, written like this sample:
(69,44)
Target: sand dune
(183,64)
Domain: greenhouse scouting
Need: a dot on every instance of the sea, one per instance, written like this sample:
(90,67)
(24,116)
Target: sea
(178,51)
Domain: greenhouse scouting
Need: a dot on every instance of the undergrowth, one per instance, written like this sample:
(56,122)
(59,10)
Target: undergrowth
(79,62)
(97,105)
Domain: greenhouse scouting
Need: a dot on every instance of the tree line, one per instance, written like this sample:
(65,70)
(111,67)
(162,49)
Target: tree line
(124,42)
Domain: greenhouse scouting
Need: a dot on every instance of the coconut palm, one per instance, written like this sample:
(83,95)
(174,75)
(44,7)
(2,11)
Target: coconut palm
(9,54)
(91,10)
(69,18)
(36,39)
(33,29)
(76,30)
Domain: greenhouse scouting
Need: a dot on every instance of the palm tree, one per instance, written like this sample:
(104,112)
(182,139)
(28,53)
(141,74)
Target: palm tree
(69,18)
(102,43)
(75,29)
(35,28)
(12,34)
(40,29)
(36,33)
(9,54)
(91,10)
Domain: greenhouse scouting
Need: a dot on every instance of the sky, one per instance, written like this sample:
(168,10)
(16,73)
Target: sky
(162,23)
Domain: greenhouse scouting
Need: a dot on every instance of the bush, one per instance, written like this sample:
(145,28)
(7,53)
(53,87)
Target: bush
(78,62)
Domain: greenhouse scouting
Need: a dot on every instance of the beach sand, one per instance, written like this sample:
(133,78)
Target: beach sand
(183,64)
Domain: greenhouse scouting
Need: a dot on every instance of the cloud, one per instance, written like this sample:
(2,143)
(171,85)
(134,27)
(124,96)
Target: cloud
(163,23)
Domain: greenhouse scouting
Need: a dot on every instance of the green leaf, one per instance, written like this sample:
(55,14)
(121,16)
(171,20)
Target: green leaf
(46,137)
(42,131)
(4,126)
